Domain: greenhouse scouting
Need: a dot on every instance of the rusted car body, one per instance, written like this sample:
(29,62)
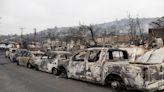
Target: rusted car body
(151,65)
(11,53)
(35,56)
(27,58)
(54,62)
(18,53)
(7,53)
(111,66)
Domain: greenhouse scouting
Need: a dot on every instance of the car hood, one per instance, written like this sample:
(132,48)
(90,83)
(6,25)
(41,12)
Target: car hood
(155,56)
(38,61)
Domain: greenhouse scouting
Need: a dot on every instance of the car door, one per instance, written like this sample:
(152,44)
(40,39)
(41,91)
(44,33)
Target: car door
(21,57)
(52,63)
(47,64)
(94,65)
(27,58)
(77,65)
(44,63)
(22,62)
(116,59)
(24,57)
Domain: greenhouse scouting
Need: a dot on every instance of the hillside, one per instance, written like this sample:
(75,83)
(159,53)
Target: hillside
(113,27)
(118,26)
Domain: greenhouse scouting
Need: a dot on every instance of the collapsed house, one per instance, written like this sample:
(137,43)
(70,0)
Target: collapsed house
(157,32)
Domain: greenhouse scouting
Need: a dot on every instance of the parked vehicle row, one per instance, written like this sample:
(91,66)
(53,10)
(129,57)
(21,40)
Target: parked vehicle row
(102,65)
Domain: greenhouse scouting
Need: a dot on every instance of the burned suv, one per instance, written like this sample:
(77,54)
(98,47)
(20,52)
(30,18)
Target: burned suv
(108,66)
(54,63)
(28,58)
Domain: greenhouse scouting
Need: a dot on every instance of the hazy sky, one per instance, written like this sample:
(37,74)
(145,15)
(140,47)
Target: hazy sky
(44,14)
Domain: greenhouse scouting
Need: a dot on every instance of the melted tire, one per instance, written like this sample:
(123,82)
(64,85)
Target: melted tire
(36,67)
(18,63)
(29,65)
(63,74)
(55,71)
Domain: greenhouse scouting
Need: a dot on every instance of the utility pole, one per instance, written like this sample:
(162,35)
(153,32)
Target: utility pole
(35,36)
(21,36)
(21,32)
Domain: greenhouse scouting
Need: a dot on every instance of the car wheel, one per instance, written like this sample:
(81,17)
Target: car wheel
(36,67)
(116,85)
(29,65)
(14,60)
(63,73)
(115,82)
(18,63)
(54,71)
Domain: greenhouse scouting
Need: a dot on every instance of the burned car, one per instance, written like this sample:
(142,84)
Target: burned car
(7,53)
(35,56)
(11,53)
(18,53)
(151,67)
(108,66)
(28,58)
(54,63)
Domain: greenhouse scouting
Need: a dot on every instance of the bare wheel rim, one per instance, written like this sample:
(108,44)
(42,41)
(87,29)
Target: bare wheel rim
(18,63)
(28,65)
(116,85)
(55,71)
(36,67)
(63,74)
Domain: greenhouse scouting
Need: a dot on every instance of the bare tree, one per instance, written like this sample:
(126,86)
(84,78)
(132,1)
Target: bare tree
(80,33)
(90,29)
(139,27)
(136,33)
(132,28)
(76,35)
(142,37)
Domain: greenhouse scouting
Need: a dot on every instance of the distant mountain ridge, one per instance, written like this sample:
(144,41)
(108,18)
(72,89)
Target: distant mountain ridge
(119,25)
(122,25)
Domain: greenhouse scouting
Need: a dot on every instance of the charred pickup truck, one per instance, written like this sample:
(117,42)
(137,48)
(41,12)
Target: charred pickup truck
(108,66)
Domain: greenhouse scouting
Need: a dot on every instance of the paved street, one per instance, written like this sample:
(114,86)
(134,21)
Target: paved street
(15,78)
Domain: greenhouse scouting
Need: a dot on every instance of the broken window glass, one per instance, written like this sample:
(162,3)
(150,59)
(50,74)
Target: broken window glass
(94,55)
(80,56)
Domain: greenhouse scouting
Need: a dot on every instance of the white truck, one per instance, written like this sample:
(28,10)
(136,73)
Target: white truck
(108,66)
